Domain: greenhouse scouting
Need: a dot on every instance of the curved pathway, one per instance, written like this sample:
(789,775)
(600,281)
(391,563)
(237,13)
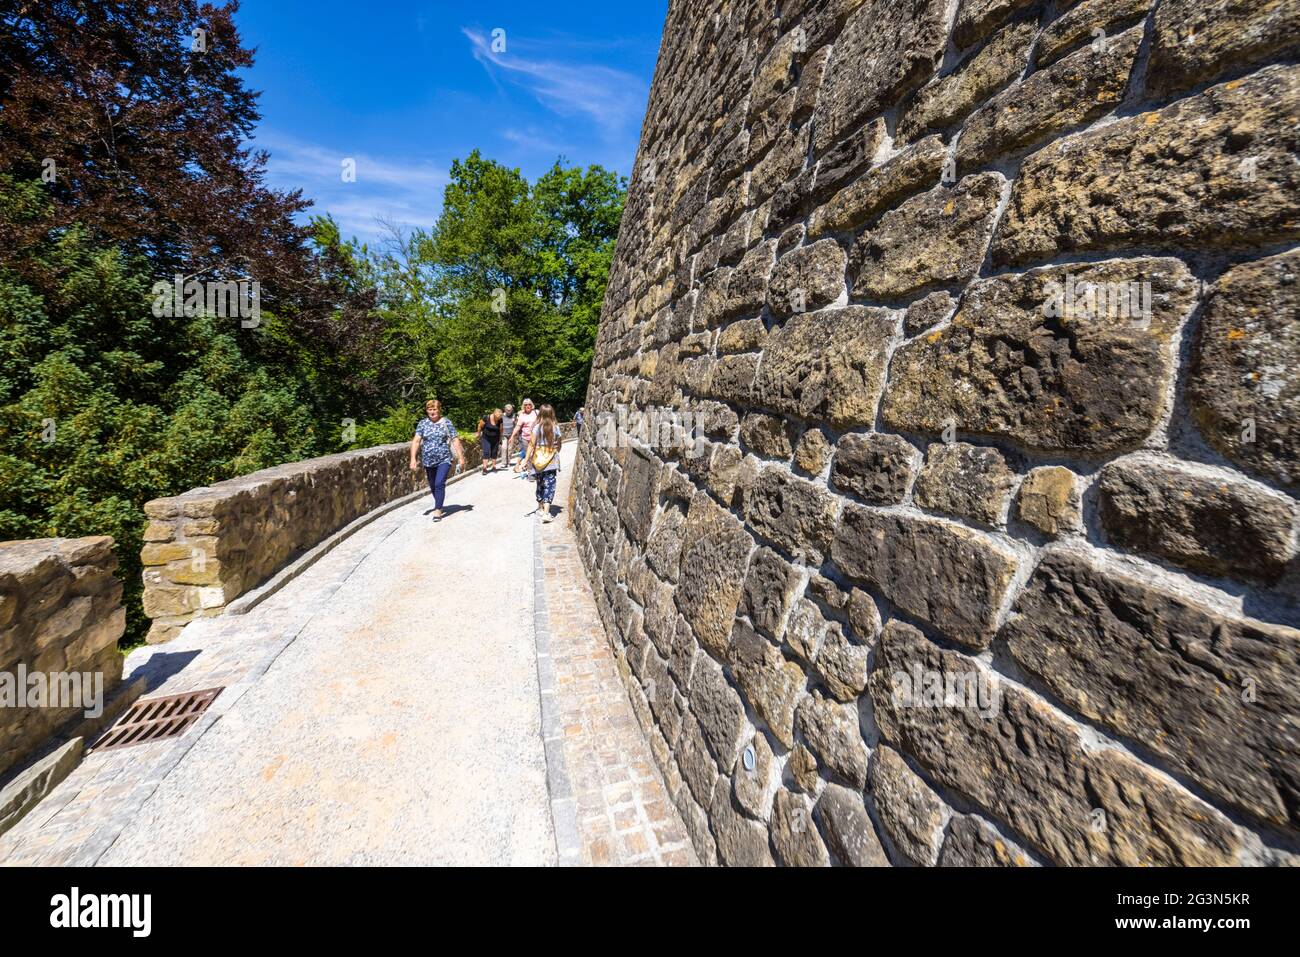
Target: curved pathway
(385,707)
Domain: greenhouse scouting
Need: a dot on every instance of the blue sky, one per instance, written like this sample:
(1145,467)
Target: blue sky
(403,88)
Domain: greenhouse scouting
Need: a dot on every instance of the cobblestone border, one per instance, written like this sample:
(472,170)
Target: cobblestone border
(564,809)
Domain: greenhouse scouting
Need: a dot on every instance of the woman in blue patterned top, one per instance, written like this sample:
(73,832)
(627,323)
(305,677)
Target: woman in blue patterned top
(434,442)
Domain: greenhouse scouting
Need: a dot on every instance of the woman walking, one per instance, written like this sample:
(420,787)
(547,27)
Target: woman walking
(489,437)
(524,423)
(543,457)
(435,442)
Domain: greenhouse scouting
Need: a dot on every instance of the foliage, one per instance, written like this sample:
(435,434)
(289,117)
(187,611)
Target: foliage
(501,298)
(105,404)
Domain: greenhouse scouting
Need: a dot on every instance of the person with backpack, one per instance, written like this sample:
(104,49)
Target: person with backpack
(435,442)
(543,457)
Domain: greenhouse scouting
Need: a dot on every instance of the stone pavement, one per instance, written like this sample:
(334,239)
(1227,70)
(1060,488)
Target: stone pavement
(383,708)
(623,809)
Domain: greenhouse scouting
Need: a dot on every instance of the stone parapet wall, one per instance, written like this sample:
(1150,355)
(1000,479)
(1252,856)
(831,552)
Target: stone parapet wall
(210,545)
(60,614)
(986,319)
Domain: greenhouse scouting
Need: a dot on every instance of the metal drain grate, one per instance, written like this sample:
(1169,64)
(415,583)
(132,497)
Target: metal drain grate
(157,719)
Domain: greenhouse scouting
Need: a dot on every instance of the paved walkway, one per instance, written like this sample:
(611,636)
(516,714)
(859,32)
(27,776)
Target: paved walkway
(385,707)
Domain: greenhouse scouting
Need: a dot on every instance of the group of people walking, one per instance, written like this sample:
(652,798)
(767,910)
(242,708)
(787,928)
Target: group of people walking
(532,437)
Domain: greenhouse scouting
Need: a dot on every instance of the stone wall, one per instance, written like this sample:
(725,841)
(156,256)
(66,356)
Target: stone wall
(985,312)
(208,546)
(60,612)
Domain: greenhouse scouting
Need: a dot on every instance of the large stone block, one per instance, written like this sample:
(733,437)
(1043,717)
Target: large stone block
(918,167)
(943,574)
(848,829)
(1065,358)
(1207,520)
(1243,390)
(910,813)
(769,590)
(715,552)
(1217,697)
(1198,41)
(830,730)
(876,467)
(952,98)
(1028,766)
(887,49)
(1215,169)
(796,514)
(771,684)
(1081,87)
(968,480)
(828,365)
(806,278)
(937,238)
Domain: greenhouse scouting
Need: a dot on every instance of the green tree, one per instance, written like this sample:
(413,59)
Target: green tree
(502,296)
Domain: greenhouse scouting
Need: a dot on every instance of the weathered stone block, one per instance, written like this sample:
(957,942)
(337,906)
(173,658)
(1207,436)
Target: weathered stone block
(847,827)
(976,19)
(1048,499)
(936,238)
(830,730)
(718,709)
(768,591)
(796,514)
(950,99)
(1028,767)
(828,365)
(1214,696)
(1227,177)
(1206,520)
(876,467)
(751,776)
(887,49)
(768,435)
(794,835)
(972,843)
(812,452)
(771,684)
(806,278)
(918,167)
(943,574)
(714,552)
(910,813)
(1081,24)
(742,842)
(967,480)
(1081,87)
(1062,358)
(1197,42)
(1243,390)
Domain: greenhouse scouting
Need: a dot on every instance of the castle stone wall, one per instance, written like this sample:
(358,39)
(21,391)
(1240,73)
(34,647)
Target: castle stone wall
(983,318)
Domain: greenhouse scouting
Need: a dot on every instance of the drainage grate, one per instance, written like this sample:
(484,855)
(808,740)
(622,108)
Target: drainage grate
(157,719)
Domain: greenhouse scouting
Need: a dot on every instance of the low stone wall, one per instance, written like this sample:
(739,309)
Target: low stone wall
(208,546)
(985,312)
(205,548)
(60,613)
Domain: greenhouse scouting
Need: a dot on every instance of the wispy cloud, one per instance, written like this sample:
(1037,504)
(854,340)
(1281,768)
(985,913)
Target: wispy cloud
(395,189)
(612,100)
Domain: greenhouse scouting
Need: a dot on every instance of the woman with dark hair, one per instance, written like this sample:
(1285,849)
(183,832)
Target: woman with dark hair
(434,442)
(543,457)
(489,437)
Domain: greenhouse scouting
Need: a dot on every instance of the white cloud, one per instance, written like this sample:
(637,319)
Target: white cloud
(395,189)
(611,99)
